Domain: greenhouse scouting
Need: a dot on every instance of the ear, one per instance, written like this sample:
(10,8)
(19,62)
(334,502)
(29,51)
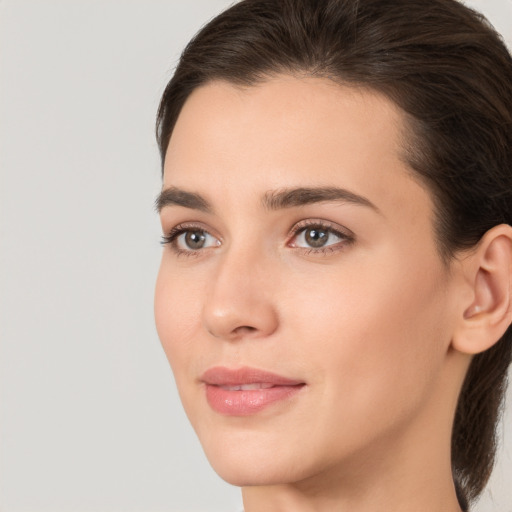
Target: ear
(487,312)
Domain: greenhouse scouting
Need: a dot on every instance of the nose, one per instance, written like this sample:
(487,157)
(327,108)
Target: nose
(240,301)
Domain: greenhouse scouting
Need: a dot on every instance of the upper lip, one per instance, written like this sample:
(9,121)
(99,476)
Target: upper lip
(223,376)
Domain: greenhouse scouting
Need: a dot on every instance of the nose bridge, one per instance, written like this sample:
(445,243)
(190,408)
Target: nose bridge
(239,300)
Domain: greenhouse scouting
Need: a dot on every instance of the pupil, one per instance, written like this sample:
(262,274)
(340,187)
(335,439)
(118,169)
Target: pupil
(195,239)
(316,237)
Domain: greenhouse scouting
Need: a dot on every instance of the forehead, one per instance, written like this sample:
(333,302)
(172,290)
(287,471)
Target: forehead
(282,117)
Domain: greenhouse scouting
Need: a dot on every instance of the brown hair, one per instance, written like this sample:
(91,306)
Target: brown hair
(451,74)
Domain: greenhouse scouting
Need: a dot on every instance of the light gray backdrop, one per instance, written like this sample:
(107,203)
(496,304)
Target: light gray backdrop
(89,418)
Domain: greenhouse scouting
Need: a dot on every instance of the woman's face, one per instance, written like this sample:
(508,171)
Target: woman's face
(301,300)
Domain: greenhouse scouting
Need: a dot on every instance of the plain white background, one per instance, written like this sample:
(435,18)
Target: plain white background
(89,417)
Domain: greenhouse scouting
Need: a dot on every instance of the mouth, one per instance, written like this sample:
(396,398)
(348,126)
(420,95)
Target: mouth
(246,391)
(248,387)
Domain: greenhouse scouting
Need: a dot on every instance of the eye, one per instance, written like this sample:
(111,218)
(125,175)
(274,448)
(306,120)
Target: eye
(317,237)
(189,239)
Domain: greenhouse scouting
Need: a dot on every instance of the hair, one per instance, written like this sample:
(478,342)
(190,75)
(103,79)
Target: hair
(451,74)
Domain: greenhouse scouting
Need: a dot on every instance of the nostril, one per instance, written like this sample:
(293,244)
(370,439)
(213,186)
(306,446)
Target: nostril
(244,329)
(237,332)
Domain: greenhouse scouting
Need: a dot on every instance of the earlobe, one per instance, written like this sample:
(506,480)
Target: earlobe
(489,273)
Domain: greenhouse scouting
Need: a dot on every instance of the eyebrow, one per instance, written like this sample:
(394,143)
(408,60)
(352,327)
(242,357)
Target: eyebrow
(272,200)
(289,198)
(178,197)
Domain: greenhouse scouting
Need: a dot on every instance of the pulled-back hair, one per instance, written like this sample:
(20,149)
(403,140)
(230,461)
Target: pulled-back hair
(451,74)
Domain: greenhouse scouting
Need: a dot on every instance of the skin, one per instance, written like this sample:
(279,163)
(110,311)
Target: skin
(367,322)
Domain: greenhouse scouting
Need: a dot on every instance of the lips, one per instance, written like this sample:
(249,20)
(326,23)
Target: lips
(245,391)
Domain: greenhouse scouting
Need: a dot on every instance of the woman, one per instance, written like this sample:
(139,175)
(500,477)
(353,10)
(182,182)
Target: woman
(334,293)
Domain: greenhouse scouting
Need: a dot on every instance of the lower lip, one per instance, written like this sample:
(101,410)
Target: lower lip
(245,403)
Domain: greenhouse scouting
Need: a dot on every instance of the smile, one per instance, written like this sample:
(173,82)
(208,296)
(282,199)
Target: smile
(246,391)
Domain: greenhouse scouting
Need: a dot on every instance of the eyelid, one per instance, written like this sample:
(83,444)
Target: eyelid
(347,236)
(172,235)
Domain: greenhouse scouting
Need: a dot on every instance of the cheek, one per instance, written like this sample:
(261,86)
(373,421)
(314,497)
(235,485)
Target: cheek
(378,338)
(177,308)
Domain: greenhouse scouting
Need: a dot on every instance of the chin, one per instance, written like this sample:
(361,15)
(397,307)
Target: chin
(239,465)
(253,460)
(246,473)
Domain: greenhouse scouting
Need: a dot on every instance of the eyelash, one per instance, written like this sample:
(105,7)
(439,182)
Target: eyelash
(346,237)
(172,237)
